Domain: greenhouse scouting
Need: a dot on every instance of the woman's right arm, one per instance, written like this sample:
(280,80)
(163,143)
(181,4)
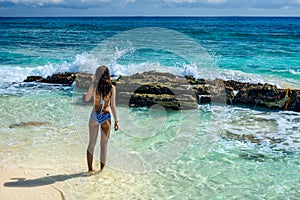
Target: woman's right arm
(87,97)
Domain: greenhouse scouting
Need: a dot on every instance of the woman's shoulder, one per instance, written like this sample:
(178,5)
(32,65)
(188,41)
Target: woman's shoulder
(113,90)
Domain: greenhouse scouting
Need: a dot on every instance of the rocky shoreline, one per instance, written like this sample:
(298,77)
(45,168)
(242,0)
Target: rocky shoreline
(184,93)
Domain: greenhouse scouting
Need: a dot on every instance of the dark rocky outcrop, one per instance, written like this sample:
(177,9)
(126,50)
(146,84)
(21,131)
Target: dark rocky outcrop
(265,96)
(66,78)
(178,92)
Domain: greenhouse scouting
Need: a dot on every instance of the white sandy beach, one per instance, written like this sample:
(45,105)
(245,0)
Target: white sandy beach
(19,183)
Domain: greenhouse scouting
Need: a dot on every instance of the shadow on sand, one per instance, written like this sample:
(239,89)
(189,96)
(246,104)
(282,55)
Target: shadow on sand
(47,180)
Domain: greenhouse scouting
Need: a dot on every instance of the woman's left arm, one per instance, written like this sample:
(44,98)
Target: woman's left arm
(113,107)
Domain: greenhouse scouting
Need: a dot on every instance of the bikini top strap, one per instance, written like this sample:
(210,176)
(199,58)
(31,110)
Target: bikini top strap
(103,101)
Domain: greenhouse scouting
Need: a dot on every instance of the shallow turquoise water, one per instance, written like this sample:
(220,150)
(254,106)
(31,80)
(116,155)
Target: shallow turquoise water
(206,165)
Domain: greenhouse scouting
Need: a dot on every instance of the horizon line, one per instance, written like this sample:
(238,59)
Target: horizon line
(149,16)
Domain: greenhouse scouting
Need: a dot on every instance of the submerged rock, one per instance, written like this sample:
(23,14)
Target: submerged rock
(22,124)
(252,138)
(253,156)
(243,137)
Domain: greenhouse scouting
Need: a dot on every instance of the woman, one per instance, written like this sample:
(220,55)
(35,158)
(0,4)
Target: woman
(104,101)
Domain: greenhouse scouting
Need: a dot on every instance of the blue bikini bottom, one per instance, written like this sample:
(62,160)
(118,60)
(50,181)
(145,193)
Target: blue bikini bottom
(100,118)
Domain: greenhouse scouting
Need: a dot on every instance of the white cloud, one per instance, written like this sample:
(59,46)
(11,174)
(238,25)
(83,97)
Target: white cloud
(285,7)
(228,4)
(100,1)
(128,1)
(216,1)
(57,3)
(224,4)
(195,1)
(34,1)
(157,7)
(123,3)
(180,1)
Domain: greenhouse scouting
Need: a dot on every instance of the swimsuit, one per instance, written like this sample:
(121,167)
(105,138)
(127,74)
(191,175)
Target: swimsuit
(100,118)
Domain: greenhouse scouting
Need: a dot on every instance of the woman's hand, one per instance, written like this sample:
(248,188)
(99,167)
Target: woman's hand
(93,78)
(83,98)
(116,126)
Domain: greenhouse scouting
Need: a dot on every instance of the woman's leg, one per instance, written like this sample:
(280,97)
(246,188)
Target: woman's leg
(105,133)
(93,133)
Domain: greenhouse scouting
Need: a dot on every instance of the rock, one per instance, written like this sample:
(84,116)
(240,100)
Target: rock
(182,93)
(22,124)
(149,88)
(83,80)
(235,85)
(33,79)
(212,91)
(66,78)
(293,102)
(263,95)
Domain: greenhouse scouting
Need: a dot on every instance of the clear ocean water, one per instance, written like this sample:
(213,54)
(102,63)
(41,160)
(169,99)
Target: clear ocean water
(157,154)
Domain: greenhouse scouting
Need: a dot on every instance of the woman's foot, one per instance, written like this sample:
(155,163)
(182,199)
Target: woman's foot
(90,172)
(102,166)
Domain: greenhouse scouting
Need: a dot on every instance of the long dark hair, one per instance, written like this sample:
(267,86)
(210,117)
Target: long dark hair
(104,84)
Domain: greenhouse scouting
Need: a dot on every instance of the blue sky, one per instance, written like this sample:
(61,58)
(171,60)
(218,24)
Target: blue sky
(149,7)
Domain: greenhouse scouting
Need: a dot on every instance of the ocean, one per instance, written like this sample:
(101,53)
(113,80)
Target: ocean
(158,153)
